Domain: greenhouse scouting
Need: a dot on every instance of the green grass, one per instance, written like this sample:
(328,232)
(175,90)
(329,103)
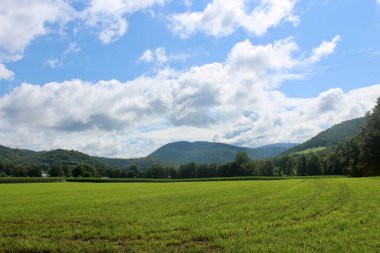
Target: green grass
(154,180)
(298,215)
(310,150)
(8,180)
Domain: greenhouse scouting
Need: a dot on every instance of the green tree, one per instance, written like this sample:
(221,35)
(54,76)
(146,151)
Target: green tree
(187,170)
(57,171)
(264,167)
(302,169)
(314,165)
(369,159)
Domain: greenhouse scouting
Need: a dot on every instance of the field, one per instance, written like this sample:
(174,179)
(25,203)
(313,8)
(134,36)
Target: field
(310,150)
(295,215)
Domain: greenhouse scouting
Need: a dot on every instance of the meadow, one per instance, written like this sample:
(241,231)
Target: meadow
(294,215)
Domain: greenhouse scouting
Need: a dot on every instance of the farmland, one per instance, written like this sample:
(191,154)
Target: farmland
(309,215)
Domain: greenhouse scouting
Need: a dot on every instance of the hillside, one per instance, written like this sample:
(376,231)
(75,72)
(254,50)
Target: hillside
(169,155)
(141,163)
(212,152)
(331,136)
(46,159)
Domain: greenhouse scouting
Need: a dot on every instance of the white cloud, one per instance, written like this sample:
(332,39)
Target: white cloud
(326,48)
(221,18)
(147,56)
(109,16)
(72,48)
(160,56)
(6,74)
(24,20)
(53,63)
(236,101)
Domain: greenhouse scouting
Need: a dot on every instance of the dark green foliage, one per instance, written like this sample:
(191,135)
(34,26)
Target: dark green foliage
(205,171)
(370,143)
(187,170)
(314,165)
(142,163)
(210,152)
(8,180)
(157,171)
(264,168)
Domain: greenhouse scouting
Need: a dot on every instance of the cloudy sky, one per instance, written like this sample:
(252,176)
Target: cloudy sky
(120,78)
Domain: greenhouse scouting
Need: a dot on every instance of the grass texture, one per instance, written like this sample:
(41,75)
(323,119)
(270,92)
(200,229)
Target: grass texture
(295,215)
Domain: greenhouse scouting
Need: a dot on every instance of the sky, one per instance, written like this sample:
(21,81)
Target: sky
(120,78)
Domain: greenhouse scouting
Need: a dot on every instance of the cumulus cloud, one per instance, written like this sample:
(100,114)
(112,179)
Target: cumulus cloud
(236,101)
(5,74)
(222,18)
(160,56)
(109,16)
(24,20)
(326,48)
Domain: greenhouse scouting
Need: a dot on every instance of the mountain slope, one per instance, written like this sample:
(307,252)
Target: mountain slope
(46,159)
(212,152)
(169,155)
(332,135)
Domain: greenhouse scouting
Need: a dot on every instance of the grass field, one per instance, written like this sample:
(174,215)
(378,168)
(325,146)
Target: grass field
(310,150)
(295,215)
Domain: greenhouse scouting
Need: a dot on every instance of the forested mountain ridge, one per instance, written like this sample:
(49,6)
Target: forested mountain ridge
(202,152)
(212,152)
(332,135)
(46,159)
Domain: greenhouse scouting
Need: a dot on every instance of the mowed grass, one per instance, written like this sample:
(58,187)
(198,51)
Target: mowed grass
(310,150)
(296,215)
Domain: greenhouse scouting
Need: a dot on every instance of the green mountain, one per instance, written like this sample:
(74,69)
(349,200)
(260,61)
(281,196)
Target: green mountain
(211,152)
(169,155)
(46,159)
(141,163)
(331,136)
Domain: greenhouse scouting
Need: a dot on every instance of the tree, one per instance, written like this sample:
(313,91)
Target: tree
(56,171)
(19,171)
(265,167)
(314,165)
(34,171)
(347,154)
(187,170)
(133,171)
(156,171)
(369,159)
(302,169)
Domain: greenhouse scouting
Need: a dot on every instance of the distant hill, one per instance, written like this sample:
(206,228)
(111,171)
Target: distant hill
(46,159)
(141,163)
(331,136)
(169,155)
(211,152)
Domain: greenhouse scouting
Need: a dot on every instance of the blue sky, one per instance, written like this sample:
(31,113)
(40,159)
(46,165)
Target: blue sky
(120,78)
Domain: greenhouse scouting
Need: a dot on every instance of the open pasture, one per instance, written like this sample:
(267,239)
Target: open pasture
(295,215)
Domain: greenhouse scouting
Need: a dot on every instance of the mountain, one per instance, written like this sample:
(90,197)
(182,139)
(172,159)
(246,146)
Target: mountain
(331,136)
(141,163)
(46,159)
(169,155)
(212,152)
